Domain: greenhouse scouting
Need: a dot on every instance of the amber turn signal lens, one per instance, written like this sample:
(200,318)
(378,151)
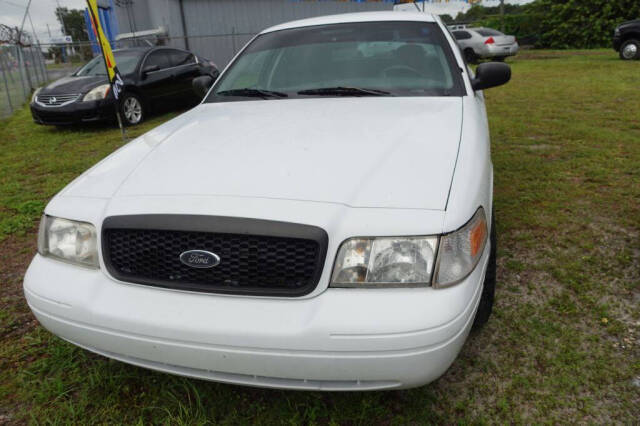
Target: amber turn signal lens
(477,237)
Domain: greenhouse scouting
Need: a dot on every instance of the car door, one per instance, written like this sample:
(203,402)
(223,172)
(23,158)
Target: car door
(185,69)
(157,81)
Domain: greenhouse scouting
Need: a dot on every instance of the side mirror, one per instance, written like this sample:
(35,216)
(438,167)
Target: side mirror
(150,68)
(491,74)
(201,85)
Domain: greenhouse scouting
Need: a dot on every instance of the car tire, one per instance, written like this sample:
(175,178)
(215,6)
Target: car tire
(489,286)
(132,110)
(630,49)
(470,56)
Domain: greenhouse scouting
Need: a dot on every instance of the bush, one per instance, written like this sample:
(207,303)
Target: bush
(581,24)
(564,24)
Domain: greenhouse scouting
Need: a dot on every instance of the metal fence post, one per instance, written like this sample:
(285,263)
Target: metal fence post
(21,71)
(36,63)
(6,83)
(36,68)
(43,65)
(29,67)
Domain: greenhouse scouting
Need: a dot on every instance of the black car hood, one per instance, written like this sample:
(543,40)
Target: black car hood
(73,84)
(630,23)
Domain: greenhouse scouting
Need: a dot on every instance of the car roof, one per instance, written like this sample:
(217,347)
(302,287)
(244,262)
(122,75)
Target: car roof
(354,17)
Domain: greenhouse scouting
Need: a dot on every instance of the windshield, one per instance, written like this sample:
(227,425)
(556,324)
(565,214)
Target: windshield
(126,62)
(355,59)
(487,32)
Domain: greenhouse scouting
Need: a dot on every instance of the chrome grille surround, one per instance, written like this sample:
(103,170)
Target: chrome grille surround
(57,100)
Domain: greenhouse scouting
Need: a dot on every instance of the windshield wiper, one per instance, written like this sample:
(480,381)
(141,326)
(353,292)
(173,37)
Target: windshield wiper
(252,93)
(344,91)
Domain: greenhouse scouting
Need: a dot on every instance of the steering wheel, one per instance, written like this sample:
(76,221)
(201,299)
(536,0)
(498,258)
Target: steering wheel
(402,69)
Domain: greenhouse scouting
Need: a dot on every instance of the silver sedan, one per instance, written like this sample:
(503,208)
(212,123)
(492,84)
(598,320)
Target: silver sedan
(485,43)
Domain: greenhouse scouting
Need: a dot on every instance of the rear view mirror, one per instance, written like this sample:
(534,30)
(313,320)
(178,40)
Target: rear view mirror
(491,74)
(201,85)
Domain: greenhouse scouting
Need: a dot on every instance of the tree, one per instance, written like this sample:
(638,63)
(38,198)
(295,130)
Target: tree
(447,19)
(73,23)
(582,24)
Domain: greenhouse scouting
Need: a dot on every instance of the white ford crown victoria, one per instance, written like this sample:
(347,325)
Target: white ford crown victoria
(323,220)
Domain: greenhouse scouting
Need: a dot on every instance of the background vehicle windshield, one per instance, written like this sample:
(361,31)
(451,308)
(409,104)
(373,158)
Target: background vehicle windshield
(487,32)
(399,58)
(127,62)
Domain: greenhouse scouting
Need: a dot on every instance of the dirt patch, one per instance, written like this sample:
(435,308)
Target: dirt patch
(15,256)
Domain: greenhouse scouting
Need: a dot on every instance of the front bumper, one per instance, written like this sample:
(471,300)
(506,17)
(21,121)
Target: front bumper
(74,113)
(342,339)
(617,43)
(495,51)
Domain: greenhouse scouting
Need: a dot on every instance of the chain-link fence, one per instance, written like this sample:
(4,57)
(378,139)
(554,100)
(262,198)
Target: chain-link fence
(22,69)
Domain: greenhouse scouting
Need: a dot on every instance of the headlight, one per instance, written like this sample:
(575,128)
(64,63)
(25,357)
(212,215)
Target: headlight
(68,240)
(98,93)
(460,251)
(385,262)
(616,32)
(35,94)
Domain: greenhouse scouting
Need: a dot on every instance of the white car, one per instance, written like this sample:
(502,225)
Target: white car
(323,220)
(485,43)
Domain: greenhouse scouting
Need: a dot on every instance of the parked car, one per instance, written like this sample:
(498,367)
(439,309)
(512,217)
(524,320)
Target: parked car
(323,220)
(485,43)
(153,77)
(626,40)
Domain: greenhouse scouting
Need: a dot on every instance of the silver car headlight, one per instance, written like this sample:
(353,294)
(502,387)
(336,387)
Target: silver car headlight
(411,261)
(68,240)
(385,262)
(460,251)
(98,93)
(35,94)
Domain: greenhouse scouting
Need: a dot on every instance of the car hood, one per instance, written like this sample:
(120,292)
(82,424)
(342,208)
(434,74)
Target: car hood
(629,23)
(358,152)
(73,84)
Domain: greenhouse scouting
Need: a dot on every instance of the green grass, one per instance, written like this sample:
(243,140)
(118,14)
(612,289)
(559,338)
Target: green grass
(562,345)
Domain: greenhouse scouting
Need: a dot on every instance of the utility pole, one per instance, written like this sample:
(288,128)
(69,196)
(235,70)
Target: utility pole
(49,31)
(502,15)
(20,53)
(24,19)
(60,17)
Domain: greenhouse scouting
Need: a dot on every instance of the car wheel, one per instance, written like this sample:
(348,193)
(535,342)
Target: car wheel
(630,49)
(470,56)
(489,286)
(131,110)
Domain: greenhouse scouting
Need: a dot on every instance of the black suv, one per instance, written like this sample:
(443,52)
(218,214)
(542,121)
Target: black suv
(626,40)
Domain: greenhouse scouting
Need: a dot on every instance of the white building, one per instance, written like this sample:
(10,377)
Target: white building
(448,7)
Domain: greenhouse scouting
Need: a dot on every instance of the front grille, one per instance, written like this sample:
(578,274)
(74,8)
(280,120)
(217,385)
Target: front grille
(56,100)
(256,257)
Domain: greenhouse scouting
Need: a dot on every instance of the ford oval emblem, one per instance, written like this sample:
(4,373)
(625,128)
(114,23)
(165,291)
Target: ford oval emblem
(200,259)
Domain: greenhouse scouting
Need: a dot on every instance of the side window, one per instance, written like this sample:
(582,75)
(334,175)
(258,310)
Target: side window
(179,57)
(159,58)
(461,35)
